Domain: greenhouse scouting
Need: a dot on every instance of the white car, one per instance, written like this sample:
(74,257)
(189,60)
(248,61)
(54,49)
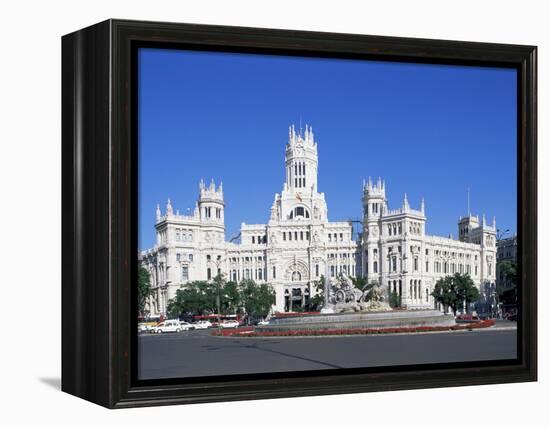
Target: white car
(171,326)
(201,325)
(229,324)
(185,326)
(143,328)
(265,322)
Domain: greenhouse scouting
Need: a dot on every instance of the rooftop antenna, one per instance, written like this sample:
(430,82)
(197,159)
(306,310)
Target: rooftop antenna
(469,212)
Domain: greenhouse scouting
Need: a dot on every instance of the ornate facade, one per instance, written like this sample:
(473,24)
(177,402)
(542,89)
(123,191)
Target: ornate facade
(299,244)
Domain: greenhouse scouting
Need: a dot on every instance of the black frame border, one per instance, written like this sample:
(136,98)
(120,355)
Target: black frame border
(99,223)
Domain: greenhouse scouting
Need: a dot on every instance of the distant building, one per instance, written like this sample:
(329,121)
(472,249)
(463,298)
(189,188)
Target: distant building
(299,244)
(506,251)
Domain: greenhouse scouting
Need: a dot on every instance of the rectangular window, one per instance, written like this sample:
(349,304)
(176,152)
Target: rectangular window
(301,236)
(274,272)
(253,240)
(284,236)
(427,266)
(184,273)
(295,236)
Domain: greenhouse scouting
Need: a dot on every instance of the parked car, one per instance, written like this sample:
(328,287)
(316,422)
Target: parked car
(185,326)
(143,328)
(229,324)
(201,325)
(170,326)
(467,317)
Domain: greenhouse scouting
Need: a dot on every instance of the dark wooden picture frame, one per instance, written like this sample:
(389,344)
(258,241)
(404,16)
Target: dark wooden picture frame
(99,213)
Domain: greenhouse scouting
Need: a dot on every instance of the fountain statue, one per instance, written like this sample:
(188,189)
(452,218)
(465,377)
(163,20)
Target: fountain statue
(341,295)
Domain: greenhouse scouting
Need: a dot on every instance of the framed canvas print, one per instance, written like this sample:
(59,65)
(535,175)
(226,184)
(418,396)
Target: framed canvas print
(253,213)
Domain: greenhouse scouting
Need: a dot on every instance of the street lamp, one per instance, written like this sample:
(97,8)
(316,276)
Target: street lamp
(500,234)
(218,263)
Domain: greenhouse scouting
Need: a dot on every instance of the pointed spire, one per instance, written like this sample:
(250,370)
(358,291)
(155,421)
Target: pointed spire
(212,186)
(201,185)
(484,220)
(494,223)
(422,205)
(158,214)
(169,209)
(220,188)
(405,202)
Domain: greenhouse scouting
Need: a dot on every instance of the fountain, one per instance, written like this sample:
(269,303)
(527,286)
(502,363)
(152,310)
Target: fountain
(346,306)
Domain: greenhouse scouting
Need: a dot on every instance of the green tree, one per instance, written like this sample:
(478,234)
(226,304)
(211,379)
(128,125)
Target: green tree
(231,298)
(360,282)
(394,300)
(144,288)
(317,301)
(257,299)
(444,293)
(457,291)
(508,294)
(197,297)
(509,270)
(466,291)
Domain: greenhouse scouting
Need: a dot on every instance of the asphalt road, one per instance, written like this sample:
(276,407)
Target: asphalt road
(196,353)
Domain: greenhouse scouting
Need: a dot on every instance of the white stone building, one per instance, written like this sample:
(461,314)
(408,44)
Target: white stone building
(299,244)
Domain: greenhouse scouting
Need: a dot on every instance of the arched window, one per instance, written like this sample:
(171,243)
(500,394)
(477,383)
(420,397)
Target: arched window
(299,212)
(274,272)
(296,276)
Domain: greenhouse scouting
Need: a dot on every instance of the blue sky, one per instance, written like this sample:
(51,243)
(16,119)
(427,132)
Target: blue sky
(430,131)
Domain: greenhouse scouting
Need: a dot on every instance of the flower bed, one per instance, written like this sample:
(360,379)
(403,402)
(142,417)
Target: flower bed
(248,332)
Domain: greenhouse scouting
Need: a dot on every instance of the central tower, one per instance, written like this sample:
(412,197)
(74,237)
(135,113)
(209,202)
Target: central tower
(301,161)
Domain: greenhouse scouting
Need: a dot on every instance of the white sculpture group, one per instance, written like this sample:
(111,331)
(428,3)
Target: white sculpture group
(341,295)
